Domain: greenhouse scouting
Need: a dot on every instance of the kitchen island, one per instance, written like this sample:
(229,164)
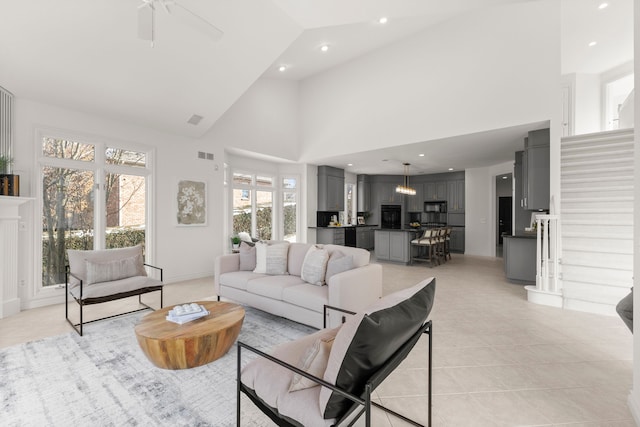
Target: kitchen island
(519,255)
(394,244)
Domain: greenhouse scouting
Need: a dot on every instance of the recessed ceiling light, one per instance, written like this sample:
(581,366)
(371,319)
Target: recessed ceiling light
(450,169)
(349,164)
(593,44)
(282,68)
(504,177)
(324,47)
(421,155)
(603,6)
(383,20)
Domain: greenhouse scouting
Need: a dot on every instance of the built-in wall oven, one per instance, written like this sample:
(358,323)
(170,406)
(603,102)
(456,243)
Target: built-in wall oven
(390,216)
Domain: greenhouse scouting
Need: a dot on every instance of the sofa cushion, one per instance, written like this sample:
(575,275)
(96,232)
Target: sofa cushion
(338,262)
(271,258)
(247,256)
(306,295)
(368,339)
(314,266)
(77,259)
(238,279)
(107,271)
(297,252)
(272,286)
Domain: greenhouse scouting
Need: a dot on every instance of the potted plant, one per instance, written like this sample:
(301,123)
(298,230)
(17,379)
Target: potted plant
(9,183)
(235,242)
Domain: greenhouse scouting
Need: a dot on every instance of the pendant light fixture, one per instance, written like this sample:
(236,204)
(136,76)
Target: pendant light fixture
(404,188)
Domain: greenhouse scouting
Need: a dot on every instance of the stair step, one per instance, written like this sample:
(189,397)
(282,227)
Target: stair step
(594,172)
(603,261)
(607,137)
(596,180)
(570,248)
(597,276)
(598,156)
(597,222)
(596,210)
(594,292)
(591,147)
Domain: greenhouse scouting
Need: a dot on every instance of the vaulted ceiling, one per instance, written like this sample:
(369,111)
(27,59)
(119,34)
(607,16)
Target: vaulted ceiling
(85,54)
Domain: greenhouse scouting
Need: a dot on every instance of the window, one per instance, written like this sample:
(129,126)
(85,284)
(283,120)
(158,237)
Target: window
(253,205)
(290,209)
(93,197)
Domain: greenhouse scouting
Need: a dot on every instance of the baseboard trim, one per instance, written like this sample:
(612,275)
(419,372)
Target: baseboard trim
(634,407)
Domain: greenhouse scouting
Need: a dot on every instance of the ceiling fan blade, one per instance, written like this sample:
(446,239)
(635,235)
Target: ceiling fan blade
(145,22)
(195,21)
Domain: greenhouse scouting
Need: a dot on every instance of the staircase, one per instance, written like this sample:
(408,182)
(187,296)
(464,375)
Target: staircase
(597,219)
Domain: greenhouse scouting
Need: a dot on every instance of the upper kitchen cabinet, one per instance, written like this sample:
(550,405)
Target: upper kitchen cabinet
(387,192)
(415,203)
(455,196)
(364,193)
(435,190)
(535,169)
(330,189)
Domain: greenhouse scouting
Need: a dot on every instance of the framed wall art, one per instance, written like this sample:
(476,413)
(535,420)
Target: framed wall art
(191,206)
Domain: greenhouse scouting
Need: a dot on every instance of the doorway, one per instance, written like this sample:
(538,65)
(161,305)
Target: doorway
(504,209)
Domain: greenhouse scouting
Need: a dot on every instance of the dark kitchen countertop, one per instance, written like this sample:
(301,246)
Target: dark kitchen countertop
(348,226)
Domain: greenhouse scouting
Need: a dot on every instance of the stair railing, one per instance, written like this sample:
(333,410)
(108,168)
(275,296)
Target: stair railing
(547,256)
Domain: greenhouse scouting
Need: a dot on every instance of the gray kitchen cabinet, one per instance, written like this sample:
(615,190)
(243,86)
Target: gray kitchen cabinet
(364,237)
(382,244)
(519,256)
(387,193)
(522,217)
(537,170)
(393,245)
(435,190)
(456,244)
(455,196)
(333,236)
(415,203)
(330,189)
(364,193)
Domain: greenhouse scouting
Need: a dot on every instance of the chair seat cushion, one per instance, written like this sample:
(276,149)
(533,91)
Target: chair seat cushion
(105,289)
(271,382)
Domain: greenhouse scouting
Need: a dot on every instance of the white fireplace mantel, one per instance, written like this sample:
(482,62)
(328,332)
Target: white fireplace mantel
(9,218)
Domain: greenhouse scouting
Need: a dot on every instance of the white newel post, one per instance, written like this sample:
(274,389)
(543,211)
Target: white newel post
(547,290)
(9,220)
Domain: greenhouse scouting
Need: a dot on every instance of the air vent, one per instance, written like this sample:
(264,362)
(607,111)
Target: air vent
(205,156)
(195,119)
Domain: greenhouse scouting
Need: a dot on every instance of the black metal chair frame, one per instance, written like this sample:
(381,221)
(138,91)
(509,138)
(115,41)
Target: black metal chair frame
(363,401)
(89,301)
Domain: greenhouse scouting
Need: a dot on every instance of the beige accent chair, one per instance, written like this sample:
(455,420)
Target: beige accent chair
(93,277)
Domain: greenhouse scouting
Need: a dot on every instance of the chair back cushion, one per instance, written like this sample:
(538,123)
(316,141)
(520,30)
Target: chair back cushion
(368,339)
(104,262)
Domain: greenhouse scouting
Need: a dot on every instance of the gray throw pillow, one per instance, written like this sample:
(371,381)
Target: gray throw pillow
(107,271)
(338,262)
(247,256)
(276,262)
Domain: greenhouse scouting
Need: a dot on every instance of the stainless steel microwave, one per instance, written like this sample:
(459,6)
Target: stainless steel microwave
(436,206)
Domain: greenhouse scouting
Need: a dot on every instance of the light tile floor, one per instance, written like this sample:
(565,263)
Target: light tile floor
(498,360)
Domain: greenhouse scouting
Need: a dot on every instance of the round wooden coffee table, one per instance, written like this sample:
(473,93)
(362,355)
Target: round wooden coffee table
(172,346)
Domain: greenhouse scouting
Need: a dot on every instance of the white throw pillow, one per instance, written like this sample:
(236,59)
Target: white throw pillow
(314,361)
(314,266)
(271,259)
(261,257)
(277,258)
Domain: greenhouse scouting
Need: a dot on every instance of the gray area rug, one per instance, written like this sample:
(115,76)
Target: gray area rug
(104,379)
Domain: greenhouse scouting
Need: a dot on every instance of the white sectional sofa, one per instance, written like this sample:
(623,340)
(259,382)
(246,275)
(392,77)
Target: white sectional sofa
(289,296)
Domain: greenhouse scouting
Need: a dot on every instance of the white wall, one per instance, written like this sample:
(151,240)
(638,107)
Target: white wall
(480,208)
(495,68)
(587,103)
(184,252)
(264,120)
(634,396)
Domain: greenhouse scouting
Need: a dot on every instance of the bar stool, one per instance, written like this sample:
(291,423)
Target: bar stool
(428,242)
(447,242)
